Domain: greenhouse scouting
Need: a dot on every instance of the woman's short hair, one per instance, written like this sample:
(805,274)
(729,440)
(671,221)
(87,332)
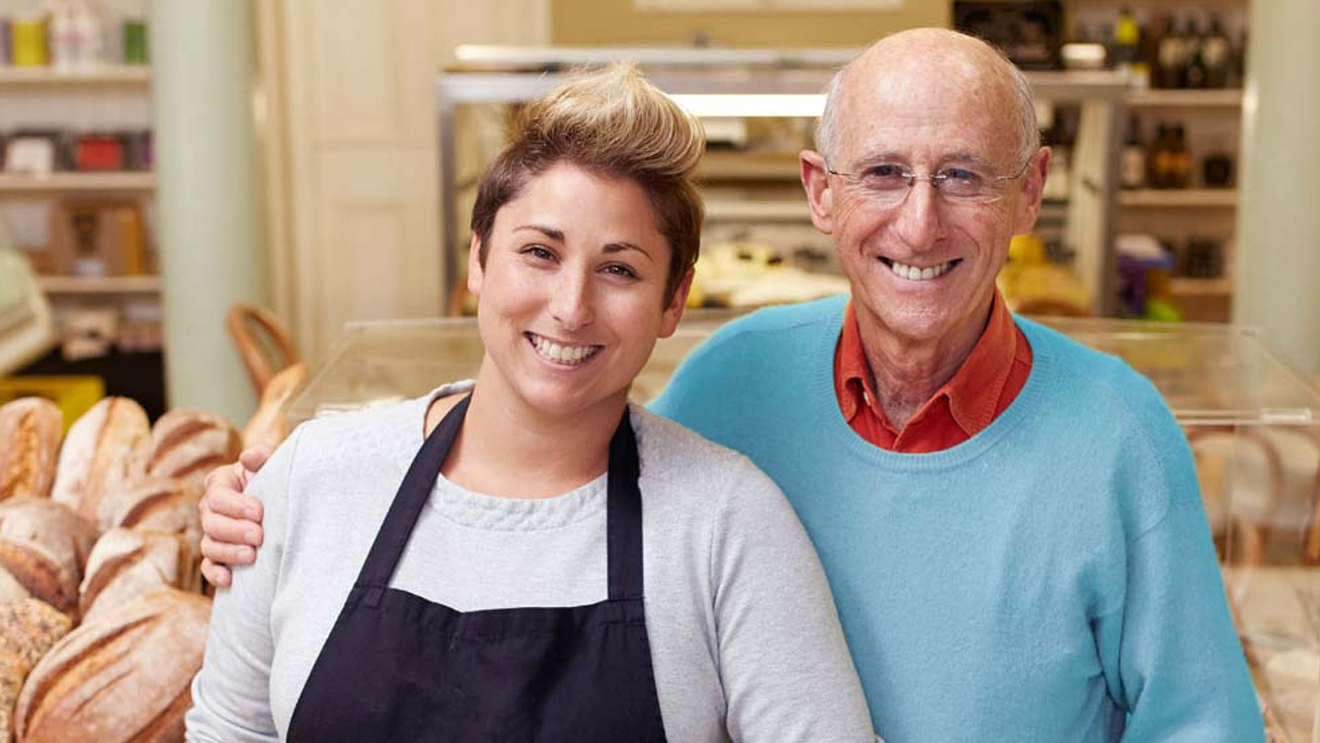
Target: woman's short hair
(614,123)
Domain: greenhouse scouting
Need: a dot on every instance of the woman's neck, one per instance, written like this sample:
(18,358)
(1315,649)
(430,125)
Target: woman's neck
(507,449)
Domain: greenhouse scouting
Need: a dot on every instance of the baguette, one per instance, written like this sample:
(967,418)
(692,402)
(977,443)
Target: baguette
(30,432)
(269,426)
(187,444)
(123,677)
(106,451)
(126,564)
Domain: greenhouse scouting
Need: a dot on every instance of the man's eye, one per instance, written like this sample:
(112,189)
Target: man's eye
(962,177)
(885,175)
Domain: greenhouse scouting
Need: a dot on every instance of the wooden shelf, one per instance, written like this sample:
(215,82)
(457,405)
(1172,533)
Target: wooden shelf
(37,77)
(739,166)
(758,211)
(1155,98)
(1219,287)
(99,284)
(64,181)
(1184,198)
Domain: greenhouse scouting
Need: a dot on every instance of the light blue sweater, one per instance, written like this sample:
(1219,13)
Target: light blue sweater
(1051,579)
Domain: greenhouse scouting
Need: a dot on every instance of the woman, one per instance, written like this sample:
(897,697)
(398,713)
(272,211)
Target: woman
(556,565)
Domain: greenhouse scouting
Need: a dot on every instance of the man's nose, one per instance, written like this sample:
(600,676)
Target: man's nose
(917,218)
(570,301)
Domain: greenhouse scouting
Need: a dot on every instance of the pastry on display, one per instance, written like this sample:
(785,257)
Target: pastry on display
(30,433)
(121,677)
(268,425)
(106,451)
(188,443)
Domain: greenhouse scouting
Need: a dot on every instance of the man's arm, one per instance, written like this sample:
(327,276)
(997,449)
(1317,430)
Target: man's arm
(1170,653)
(231,520)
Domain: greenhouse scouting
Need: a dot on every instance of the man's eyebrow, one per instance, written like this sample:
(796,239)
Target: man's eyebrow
(618,247)
(970,158)
(550,232)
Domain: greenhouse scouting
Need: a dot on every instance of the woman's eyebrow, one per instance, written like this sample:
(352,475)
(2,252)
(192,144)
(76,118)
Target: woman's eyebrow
(618,247)
(550,232)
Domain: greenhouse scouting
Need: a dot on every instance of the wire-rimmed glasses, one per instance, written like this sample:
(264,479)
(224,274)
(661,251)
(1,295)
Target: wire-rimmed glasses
(888,184)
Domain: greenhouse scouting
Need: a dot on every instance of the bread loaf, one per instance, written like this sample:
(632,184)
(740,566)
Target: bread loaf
(122,677)
(171,506)
(106,451)
(44,546)
(269,425)
(29,627)
(10,590)
(12,673)
(30,431)
(187,444)
(126,564)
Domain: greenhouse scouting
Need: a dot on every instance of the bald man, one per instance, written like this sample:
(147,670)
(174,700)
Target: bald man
(1010,522)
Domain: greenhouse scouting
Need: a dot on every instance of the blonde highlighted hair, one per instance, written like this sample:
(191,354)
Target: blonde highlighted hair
(614,123)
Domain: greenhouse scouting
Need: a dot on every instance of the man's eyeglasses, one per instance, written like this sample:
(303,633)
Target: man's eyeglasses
(888,184)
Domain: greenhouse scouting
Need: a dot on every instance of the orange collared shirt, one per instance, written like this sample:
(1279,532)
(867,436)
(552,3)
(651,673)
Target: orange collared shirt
(988,381)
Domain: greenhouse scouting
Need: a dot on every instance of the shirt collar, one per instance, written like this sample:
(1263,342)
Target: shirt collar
(973,392)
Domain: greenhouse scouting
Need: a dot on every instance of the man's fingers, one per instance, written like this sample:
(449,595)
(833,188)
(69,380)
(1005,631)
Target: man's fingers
(227,554)
(232,504)
(224,530)
(216,575)
(254,457)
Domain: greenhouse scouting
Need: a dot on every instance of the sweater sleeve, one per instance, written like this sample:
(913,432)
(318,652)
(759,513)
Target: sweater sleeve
(231,693)
(783,660)
(1170,653)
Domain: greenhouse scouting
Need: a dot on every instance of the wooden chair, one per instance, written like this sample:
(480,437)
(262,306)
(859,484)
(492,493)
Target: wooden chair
(262,343)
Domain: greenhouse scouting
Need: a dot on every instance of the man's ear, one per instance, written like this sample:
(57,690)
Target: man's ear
(1033,190)
(475,271)
(816,182)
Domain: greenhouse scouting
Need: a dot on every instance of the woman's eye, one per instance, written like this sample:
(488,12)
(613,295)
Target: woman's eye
(621,270)
(536,251)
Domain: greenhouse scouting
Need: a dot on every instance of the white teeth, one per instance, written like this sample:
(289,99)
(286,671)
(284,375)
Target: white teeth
(912,273)
(562,354)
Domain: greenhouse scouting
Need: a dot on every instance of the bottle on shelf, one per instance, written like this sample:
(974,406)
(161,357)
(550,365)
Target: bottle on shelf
(1132,170)
(1180,161)
(1196,72)
(1156,157)
(1170,59)
(1126,41)
(1217,53)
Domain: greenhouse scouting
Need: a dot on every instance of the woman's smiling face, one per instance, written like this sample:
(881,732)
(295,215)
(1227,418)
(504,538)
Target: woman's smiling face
(571,298)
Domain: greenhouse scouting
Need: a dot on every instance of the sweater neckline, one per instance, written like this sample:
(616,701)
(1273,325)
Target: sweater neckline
(826,414)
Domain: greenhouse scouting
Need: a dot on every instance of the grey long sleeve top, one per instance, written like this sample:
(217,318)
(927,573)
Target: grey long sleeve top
(745,640)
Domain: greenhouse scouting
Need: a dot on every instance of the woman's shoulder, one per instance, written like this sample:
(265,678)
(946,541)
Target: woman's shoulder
(693,464)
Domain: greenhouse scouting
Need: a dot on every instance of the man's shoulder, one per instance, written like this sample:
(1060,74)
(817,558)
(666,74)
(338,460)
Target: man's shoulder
(1095,381)
(772,330)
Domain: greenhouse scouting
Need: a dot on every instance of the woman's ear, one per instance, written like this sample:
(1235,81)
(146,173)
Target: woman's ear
(820,197)
(674,311)
(475,268)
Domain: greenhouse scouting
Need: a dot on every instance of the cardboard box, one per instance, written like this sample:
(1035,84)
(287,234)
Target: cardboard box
(98,238)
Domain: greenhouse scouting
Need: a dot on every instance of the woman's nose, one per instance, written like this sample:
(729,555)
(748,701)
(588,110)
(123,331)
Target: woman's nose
(570,302)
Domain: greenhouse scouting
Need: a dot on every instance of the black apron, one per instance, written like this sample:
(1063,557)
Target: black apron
(399,668)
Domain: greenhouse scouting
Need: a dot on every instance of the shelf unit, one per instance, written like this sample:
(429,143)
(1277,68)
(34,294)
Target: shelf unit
(510,76)
(1228,98)
(1183,198)
(63,181)
(149,284)
(117,75)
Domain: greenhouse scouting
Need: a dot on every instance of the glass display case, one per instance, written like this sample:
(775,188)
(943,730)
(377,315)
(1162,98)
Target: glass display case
(1253,424)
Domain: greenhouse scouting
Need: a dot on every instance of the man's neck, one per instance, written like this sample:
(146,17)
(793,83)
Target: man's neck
(906,372)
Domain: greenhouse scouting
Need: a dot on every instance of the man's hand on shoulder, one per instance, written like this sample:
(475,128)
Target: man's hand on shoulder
(231,520)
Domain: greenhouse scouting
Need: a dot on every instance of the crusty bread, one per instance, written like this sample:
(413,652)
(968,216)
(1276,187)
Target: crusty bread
(44,546)
(186,444)
(11,589)
(30,431)
(269,425)
(123,677)
(106,451)
(12,672)
(126,564)
(29,627)
(167,505)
